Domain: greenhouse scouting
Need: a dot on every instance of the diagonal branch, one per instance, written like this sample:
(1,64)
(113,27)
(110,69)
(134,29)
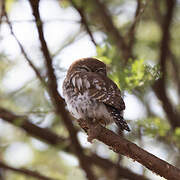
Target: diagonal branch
(124,147)
(23,122)
(24,171)
(111,29)
(56,99)
(63,144)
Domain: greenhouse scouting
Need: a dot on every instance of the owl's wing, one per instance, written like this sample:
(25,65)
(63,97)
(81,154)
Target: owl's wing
(104,90)
(100,88)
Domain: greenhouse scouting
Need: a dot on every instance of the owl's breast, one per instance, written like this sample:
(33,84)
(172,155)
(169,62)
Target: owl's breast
(81,106)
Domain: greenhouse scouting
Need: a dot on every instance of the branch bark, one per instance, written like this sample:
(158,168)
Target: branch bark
(122,146)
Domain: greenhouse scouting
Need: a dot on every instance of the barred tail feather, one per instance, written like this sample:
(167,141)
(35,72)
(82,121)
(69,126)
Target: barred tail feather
(118,118)
(121,123)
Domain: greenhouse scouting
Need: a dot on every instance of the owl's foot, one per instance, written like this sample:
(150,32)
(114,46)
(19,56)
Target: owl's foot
(83,124)
(93,131)
(91,127)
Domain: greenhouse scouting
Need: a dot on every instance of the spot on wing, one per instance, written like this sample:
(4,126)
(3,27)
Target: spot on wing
(101,96)
(98,86)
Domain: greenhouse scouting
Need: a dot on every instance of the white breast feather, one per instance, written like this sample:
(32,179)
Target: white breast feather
(79,83)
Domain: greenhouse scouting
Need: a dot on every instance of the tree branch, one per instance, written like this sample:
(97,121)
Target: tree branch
(61,143)
(23,122)
(122,146)
(56,99)
(25,172)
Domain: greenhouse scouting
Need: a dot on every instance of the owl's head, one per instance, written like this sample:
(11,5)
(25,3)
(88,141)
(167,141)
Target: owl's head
(88,65)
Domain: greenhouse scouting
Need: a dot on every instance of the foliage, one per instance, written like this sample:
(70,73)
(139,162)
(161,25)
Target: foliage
(135,75)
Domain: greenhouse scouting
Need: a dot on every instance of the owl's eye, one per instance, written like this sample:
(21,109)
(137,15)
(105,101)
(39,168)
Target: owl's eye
(83,68)
(101,71)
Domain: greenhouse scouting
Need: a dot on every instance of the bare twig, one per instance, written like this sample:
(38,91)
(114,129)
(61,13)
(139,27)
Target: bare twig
(26,172)
(124,147)
(139,11)
(23,51)
(84,21)
(111,29)
(56,99)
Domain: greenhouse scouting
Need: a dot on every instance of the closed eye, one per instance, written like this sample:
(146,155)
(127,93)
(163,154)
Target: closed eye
(101,71)
(84,68)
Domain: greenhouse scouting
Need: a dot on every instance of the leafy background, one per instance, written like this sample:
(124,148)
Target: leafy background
(22,93)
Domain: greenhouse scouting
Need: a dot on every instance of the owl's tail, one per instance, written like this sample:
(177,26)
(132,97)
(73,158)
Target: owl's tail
(118,118)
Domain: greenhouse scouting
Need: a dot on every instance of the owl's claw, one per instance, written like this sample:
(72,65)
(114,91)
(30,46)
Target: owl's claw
(91,127)
(93,132)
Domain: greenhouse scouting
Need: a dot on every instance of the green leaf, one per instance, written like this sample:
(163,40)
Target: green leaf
(177,132)
(8,4)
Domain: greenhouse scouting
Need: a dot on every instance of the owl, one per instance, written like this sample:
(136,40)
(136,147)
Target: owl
(91,95)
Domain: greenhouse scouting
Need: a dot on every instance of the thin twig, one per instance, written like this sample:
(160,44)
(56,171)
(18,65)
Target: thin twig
(84,21)
(23,51)
(138,14)
(26,172)
(111,29)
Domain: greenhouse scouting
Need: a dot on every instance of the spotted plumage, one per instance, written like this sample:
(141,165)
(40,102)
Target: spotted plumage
(90,94)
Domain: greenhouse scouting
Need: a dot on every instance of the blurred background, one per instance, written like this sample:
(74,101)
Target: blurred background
(139,40)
